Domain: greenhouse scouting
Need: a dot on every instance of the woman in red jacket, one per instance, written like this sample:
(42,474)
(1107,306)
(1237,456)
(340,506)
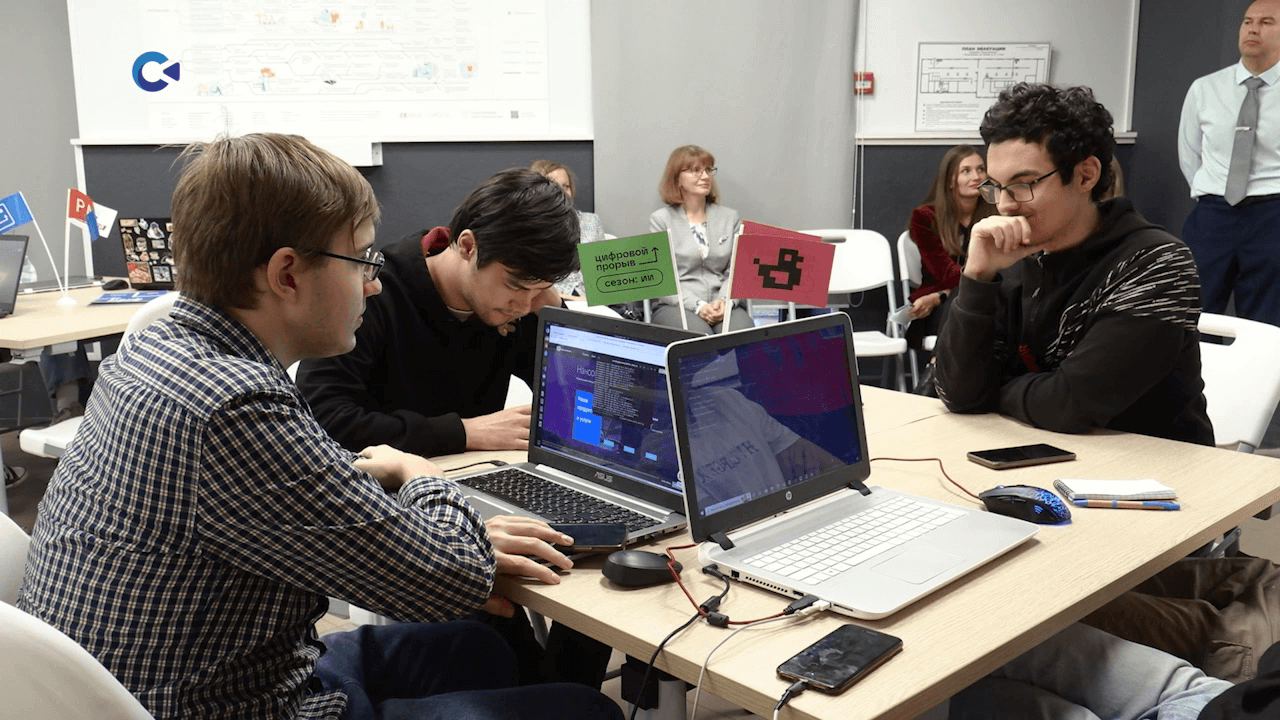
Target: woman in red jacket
(940,229)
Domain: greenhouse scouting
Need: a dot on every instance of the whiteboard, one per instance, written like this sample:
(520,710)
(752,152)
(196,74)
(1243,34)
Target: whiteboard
(1094,43)
(162,71)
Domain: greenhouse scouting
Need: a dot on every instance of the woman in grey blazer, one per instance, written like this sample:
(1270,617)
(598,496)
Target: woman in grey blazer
(702,233)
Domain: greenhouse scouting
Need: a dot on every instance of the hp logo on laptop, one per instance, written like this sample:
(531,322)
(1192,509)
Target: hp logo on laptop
(788,494)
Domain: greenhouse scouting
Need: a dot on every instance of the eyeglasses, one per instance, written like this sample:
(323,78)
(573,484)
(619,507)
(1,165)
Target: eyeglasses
(371,259)
(1020,192)
(697,172)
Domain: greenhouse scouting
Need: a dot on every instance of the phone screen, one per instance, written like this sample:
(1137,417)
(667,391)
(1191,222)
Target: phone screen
(840,657)
(1021,456)
(603,536)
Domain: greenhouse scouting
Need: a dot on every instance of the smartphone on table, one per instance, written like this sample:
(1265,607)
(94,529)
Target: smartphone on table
(840,658)
(1020,456)
(593,537)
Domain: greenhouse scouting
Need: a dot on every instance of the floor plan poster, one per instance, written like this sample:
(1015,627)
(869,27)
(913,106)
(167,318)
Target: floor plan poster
(959,81)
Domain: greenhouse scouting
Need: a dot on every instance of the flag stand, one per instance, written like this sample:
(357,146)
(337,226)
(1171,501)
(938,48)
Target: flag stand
(52,263)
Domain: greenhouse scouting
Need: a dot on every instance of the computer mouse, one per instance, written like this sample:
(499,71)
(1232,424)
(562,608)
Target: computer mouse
(637,568)
(115,284)
(1028,503)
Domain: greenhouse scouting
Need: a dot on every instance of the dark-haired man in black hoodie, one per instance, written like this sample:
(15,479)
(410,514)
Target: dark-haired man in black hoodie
(1072,313)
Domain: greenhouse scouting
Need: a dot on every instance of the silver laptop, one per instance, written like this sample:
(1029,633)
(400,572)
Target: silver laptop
(773,453)
(13,248)
(601,449)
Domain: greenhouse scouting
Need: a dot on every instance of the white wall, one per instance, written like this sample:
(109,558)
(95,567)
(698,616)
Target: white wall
(39,122)
(1094,44)
(764,85)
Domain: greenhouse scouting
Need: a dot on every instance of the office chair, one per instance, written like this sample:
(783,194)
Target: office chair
(45,674)
(13,558)
(909,267)
(863,262)
(1241,380)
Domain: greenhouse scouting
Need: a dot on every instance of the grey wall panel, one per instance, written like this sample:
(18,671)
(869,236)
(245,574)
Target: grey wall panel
(418,184)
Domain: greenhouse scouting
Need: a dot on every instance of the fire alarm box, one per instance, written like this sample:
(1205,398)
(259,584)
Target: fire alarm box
(864,83)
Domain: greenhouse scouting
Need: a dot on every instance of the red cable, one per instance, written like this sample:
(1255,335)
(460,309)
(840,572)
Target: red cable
(940,467)
(671,558)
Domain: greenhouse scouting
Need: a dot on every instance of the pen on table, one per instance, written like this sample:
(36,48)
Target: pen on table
(1130,504)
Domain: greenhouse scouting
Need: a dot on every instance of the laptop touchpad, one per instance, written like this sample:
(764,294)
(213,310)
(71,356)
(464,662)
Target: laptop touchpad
(488,509)
(918,565)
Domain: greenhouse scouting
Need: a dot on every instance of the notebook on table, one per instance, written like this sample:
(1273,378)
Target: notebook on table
(773,453)
(13,248)
(601,449)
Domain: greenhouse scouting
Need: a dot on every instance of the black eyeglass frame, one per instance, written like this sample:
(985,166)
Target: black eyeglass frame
(375,260)
(995,190)
(709,171)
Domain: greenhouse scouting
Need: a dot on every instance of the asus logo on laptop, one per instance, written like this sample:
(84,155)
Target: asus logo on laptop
(604,477)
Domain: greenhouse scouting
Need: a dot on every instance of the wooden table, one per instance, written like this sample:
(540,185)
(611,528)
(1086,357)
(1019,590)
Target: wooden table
(966,629)
(38,320)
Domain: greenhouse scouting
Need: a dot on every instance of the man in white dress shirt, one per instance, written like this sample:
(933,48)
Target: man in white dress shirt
(1229,149)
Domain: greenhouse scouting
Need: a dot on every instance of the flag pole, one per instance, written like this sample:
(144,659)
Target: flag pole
(733,262)
(66,298)
(52,263)
(684,321)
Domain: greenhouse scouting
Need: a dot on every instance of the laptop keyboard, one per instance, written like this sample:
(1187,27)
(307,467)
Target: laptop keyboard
(831,550)
(554,502)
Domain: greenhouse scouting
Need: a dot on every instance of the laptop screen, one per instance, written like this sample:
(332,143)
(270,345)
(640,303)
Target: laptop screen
(604,404)
(13,248)
(768,418)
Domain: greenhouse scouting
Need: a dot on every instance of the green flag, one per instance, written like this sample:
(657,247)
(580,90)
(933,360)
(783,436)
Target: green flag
(627,269)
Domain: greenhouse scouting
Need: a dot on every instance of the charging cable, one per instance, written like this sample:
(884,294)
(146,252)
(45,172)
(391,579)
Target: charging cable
(805,606)
(796,688)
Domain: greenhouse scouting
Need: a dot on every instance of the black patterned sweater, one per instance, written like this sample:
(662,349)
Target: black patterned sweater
(1100,335)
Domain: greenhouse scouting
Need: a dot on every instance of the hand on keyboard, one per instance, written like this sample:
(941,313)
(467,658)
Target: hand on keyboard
(514,538)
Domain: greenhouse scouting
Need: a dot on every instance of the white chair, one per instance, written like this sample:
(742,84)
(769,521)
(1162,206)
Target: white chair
(13,558)
(52,441)
(45,674)
(910,268)
(1241,380)
(863,262)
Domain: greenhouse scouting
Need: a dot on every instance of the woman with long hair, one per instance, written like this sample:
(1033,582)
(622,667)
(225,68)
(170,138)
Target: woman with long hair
(940,229)
(702,232)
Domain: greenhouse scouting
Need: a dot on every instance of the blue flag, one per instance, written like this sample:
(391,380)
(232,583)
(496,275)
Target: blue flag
(14,212)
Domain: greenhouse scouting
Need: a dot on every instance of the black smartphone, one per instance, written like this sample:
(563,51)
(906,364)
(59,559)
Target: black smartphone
(594,537)
(1021,456)
(840,658)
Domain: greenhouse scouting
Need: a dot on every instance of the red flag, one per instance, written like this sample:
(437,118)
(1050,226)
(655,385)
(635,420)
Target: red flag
(78,205)
(755,228)
(80,209)
(791,268)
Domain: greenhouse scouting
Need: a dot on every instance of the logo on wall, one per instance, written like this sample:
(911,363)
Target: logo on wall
(148,58)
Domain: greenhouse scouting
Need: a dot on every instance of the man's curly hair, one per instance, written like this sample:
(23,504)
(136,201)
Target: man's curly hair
(1069,122)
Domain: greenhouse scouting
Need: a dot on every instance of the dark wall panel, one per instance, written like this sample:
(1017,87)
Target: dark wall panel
(418,184)
(1178,41)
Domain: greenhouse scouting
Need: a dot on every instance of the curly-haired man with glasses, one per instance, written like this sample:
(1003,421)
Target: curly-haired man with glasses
(1073,313)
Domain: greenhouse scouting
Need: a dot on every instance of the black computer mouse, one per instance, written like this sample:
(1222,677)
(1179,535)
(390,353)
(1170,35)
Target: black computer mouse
(115,284)
(1028,503)
(637,568)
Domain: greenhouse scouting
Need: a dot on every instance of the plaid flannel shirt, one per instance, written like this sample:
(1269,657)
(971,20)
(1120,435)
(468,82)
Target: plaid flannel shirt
(193,530)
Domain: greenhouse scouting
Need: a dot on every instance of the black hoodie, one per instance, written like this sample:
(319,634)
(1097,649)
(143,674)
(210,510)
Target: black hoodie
(1100,335)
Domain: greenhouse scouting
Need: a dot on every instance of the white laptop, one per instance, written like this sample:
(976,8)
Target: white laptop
(601,448)
(773,453)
